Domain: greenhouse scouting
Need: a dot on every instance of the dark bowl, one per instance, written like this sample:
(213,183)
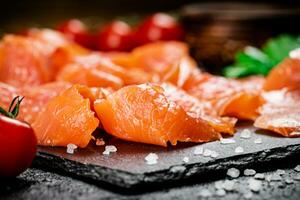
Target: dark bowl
(216,31)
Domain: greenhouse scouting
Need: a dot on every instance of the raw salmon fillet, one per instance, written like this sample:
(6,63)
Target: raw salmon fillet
(67,118)
(286,74)
(96,70)
(142,113)
(197,109)
(22,62)
(228,97)
(170,61)
(281,113)
(35,98)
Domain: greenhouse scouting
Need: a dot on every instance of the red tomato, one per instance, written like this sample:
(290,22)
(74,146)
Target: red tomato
(157,27)
(17,146)
(116,36)
(76,30)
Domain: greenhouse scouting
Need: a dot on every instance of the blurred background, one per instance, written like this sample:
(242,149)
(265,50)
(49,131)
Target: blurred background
(215,30)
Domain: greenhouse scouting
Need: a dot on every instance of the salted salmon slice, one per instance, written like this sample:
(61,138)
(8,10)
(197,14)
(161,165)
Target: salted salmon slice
(170,61)
(35,97)
(22,62)
(67,118)
(281,113)
(50,39)
(197,109)
(142,113)
(286,74)
(95,70)
(228,97)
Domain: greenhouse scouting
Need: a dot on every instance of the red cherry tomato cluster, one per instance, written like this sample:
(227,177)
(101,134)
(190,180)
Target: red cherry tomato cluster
(119,36)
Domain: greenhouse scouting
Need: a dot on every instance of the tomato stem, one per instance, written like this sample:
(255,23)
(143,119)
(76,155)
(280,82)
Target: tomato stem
(14,108)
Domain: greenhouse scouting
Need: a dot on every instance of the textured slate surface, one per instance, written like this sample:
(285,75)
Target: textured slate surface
(37,184)
(127,168)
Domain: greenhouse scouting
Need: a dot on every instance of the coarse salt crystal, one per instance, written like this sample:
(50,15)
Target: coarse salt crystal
(258,140)
(227,141)
(207,153)
(297,177)
(248,195)
(220,192)
(151,158)
(70,148)
(259,176)
(198,151)
(233,172)
(239,150)
(205,193)
(214,154)
(228,185)
(106,152)
(289,181)
(249,172)
(254,185)
(219,185)
(245,134)
(280,172)
(111,148)
(186,159)
(275,177)
(297,168)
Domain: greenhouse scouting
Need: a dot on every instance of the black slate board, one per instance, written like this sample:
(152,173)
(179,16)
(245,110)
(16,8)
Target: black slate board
(127,168)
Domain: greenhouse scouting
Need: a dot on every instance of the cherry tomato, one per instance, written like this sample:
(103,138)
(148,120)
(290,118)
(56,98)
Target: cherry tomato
(157,27)
(17,145)
(76,30)
(116,36)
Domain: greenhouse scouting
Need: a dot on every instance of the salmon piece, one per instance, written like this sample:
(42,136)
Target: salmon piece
(98,71)
(286,74)
(65,55)
(228,97)
(142,113)
(156,59)
(67,118)
(79,74)
(281,113)
(50,39)
(35,98)
(22,62)
(197,109)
